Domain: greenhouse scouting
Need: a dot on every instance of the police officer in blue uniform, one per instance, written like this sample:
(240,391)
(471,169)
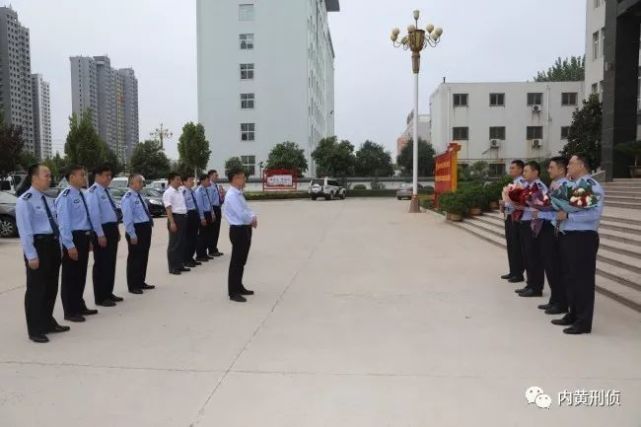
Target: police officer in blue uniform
(512,233)
(216,203)
(76,231)
(579,246)
(204,205)
(138,227)
(193,220)
(104,218)
(549,243)
(39,236)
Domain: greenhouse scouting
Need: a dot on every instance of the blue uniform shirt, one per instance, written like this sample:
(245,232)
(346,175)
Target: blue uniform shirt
(517,181)
(214,194)
(101,208)
(189,196)
(527,213)
(134,211)
(555,185)
(32,219)
(203,202)
(73,215)
(588,219)
(236,210)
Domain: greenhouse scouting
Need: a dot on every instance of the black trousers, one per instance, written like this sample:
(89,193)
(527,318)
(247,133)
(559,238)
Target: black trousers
(176,247)
(74,275)
(241,237)
(138,256)
(550,248)
(204,236)
(42,286)
(513,240)
(215,232)
(104,267)
(531,257)
(579,252)
(191,236)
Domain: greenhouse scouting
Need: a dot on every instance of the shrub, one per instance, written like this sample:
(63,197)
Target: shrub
(475,197)
(359,187)
(454,203)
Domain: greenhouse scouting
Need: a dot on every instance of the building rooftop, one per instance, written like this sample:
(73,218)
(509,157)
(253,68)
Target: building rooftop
(333,5)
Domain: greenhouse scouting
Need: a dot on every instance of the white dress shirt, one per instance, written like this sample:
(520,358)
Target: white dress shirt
(174,199)
(236,210)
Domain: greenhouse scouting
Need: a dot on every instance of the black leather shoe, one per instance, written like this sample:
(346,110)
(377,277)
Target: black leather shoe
(238,298)
(564,321)
(520,291)
(516,280)
(58,329)
(544,306)
(136,291)
(106,303)
(197,263)
(555,310)
(75,318)
(531,293)
(184,269)
(217,254)
(246,292)
(202,259)
(92,312)
(40,338)
(210,257)
(506,276)
(190,264)
(116,299)
(575,330)
(146,286)
(175,272)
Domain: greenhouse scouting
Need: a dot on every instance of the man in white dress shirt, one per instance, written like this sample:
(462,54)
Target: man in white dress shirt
(176,208)
(241,221)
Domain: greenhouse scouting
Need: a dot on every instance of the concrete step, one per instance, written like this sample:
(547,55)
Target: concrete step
(615,192)
(624,295)
(624,205)
(630,198)
(625,220)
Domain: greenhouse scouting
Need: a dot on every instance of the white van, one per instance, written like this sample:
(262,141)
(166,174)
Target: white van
(160,185)
(119,182)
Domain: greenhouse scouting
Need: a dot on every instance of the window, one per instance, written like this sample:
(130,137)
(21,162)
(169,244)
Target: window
(247,101)
(534,132)
(496,169)
(247,71)
(246,41)
(569,98)
(534,99)
(249,163)
(565,130)
(460,99)
(603,41)
(497,132)
(595,88)
(460,133)
(595,45)
(497,99)
(246,12)
(248,131)
(597,3)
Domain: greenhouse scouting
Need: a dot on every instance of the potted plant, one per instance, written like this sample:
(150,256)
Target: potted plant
(474,197)
(455,205)
(633,149)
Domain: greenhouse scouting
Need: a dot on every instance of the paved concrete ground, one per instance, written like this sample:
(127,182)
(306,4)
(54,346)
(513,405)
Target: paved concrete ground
(364,316)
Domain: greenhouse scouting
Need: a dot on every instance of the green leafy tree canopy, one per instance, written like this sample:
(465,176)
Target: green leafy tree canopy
(232,163)
(584,136)
(564,70)
(11,144)
(334,158)
(149,159)
(373,160)
(426,153)
(288,155)
(193,147)
(84,146)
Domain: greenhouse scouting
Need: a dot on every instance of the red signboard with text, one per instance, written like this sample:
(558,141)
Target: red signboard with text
(446,170)
(280,180)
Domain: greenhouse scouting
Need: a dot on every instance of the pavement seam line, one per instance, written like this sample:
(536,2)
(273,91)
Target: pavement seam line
(201,411)
(82,365)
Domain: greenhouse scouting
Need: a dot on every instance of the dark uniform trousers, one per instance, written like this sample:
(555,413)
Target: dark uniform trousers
(551,253)
(513,240)
(74,275)
(138,256)
(191,237)
(204,236)
(215,232)
(531,257)
(104,267)
(42,285)
(176,247)
(241,237)
(579,251)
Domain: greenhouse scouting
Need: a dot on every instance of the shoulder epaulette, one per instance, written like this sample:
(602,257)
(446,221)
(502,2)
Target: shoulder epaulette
(65,193)
(92,188)
(27,196)
(591,181)
(127,194)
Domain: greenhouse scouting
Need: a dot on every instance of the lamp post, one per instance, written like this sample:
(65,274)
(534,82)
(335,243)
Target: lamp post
(416,40)
(160,134)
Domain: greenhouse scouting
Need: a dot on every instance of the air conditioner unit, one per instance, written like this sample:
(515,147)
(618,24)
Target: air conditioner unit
(536,143)
(536,108)
(494,143)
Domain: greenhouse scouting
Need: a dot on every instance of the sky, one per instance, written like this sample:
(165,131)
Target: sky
(492,40)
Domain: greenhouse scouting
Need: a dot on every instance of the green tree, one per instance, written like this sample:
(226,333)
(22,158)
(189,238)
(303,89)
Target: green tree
(287,155)
(564,70)
(11,144)
(334,158)
(149,159)
(27,159)
(373,160)
(84,146)
(425,159)
(56,165)
(111,157)
(193,147)
(232,163)
(584,136)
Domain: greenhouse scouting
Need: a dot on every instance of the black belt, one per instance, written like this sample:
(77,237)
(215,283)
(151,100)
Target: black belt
(110,223)
(240,226)
(37,237)
(580,231)
(177,214)
(81,232)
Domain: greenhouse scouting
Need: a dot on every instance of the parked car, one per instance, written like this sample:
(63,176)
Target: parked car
(327,188)
(159,184)
(8,226)
(406,191)
(153,198)
(119,182)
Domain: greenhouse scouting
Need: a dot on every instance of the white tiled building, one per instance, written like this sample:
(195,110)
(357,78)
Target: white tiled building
(265,76)
(41,116)
(500,122)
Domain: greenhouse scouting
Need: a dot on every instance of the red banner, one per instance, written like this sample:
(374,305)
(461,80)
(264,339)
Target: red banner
(446,170)
(280,180)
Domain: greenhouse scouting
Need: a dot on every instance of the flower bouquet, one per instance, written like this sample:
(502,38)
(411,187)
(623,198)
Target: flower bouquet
(539,201)
(513,195)
(572,199)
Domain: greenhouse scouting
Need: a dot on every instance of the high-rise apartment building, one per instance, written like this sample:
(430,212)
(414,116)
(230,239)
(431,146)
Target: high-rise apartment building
(41,116)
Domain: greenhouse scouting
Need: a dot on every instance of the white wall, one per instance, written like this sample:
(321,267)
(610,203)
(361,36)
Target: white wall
(595,21)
